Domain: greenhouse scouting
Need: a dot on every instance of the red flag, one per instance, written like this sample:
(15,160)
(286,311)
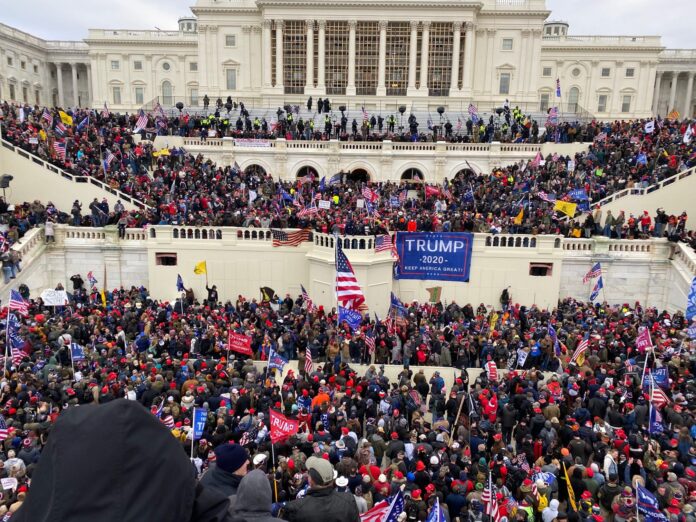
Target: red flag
(643,341)
(492,369)
(431,191)
(239,343)
(282,427)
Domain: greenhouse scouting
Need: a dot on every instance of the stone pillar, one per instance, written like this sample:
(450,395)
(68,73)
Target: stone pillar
(454,79)
(425,49)
(656,94)
(490,70)
(246,31)
(618,99)
(267,71)
(321,51)
(382,67)
(673,92)
(59,79)
(88,72)
(73,70)
(215,69)
(468,71)
(350,88)
(412,56)
(279,55)
(521,83)
(309,77)
(686,113)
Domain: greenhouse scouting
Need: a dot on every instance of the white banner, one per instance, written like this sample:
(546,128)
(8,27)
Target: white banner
(324,204)
(521,357)
(54,297)
(9,483)
(360,203)
(249,142)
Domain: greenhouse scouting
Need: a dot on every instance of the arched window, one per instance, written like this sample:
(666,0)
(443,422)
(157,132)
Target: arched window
(167,96)
(413,175)
(573,99)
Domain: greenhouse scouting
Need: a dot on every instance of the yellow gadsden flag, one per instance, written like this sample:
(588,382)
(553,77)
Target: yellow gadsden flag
(200,268)
(518,219)
(567,208)
(65,118)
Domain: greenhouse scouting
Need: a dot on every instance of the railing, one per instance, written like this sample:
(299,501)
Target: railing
(630,245)
(144,34)
(638,191)
(55,45)
(652,40)
(71,177)
(27,245)
(578,245)
(208,142)
(347,242)
(686,256)
(681,54)
(512,241)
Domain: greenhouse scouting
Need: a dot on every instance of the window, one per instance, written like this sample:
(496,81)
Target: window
(23,65)
(507,44)
(193,66)
(12,92)
(10,61)
(231,75)
(546,71)
(25,94)
(626,103)
(36,69)
(166,66)
(548,30)
(194,97)
(139,95)
(540,269)
(573,99)
(167,94)
(37,97)
(230,40)
(544,102)
(576,72)
(555,30)
(336,61)
(602,103)
(504,83)
(137,65)
(163,259)
(606,71)
(115,65)
(630,72)
(116,92)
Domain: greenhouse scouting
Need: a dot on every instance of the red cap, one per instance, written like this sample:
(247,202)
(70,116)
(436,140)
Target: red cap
(420,466)
(394,435)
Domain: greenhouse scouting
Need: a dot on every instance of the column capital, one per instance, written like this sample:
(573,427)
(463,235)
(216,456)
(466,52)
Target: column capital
(537,32)
(526,32)
(202,28)
(352,24)
(426,25)
(480,31)
(310,24)
(279,24)
(491,31)
(659,74)
(246,29)
(469,26)
(383,25)
(256,28)
(213,28)
(321,24)
(457,26)
(414,24)
(266,23)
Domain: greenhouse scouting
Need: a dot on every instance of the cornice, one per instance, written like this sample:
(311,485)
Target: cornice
(607,48)
(438,4)
(132,42)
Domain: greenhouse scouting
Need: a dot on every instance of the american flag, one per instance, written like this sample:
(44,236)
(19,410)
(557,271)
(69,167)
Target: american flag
(60,129)
(105,111)
(17,355)
(473,112)
(308,365)
(142,122)
(4,432)
(91,279)
(365,114)
(308,211)
(109,157)
(386,510)
(59,148)
(602,136)
(157,410)
(18,303)
(492,370)
(348,291)
(383,243)
(370,194)
(48,117)
(370,341)
(579,353)
(595,271)
(658,397)
(305,297)
(545,197)
(389,324)
(490,501)
(282,238)
(521,461)
(168,421)
(458,127)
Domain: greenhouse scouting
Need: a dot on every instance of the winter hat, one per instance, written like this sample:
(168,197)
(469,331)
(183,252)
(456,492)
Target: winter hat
(230,457)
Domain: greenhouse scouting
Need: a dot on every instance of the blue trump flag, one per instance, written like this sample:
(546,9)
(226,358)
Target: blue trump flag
(597,287)
(691,302)
(648,506)
(199,417)
(275,360)
(578,194)
(352,317)
(442,256)
(655,425)
(77,352)
(179,283)
(436,513)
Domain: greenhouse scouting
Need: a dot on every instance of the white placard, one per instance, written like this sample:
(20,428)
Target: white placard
(9,483)
(54,297)
(360,203)
(324,204)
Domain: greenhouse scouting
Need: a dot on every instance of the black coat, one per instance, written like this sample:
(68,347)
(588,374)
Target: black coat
(322,505)
(116,463)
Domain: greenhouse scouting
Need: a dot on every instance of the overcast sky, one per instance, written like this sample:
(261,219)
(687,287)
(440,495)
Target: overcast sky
(70,19)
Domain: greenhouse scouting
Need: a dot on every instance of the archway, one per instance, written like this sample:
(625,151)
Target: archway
(360,175)
(413,175)
(255,169)
(307,171)
(465,174)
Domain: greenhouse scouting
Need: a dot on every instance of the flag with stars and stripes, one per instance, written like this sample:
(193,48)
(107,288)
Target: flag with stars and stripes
(59,149)
(473,112)
(490,501)
(105,111)
(308,364)
(310,304)
(387,510)
(595,271)
(60,129)
(348,292)
(309,210)
(370,341)
(579,353)
(369,194)
(48,117)
(18,304)
(282,238)
(141,123)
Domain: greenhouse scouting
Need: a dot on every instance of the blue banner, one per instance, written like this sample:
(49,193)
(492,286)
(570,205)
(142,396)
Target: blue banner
(276,361)
(691,302)
(199,417)
(352,317)
(443,256)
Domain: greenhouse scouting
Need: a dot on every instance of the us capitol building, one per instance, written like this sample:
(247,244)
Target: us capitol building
(380,54)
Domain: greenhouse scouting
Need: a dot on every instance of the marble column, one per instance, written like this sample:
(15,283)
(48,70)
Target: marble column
(456,45)
(350,88)
(309,77)
(425,51)
(279,54)
(468,70)
(88,72)
(59,79)
(656,94)
(321,62)
(673,92)
(73,70)
(382,66)
(686,113)
(412,57)
(267,71)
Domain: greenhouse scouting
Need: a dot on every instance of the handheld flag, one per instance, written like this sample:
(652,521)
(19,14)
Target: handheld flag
(566,208)
(179,283)
(267,293)
(77,352)
(435,293)
(647,505)
(199,417)
(597,287)
(282,427)
(17,303)
(65,118)
(691,302)
(348,290)
(351,317)
(595,271)
(91,279)
(436,513)
(520,216)
(275,360)
(558,87)
(200,268)
(571,492)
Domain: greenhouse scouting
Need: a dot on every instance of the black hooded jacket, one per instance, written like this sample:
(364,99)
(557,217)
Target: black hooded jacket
(116,463)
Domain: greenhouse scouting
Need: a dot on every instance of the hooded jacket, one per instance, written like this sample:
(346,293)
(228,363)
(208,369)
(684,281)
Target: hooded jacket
(116,463)
(253,499)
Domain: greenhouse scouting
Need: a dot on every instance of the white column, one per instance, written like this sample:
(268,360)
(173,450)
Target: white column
(686,113)
(425,50)
(266,53)
(490,70)
(127,98)
(454,78)
(522,85)
(673,92)
(350,88)
(88,72)
(215,69)
(321,51)
(59,78)
(534,59)
(382,67)
(412,56)
(247,67)
(279,54)
(656,94)
(618,98)
(309,77)
(73,70)
(468,71)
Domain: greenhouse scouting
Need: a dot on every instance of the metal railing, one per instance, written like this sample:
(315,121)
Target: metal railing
(638,191)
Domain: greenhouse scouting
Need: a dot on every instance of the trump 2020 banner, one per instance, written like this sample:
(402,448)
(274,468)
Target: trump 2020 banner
(444,256)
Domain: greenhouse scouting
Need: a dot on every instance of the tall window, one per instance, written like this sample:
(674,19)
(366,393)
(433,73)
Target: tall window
(440,58)
(626,103)
(294,56)
(507,44)
(231,76)
(193,101)
(116,93)
(602,103)
(37,97)
(12,91)
(336,61)
(167,96)
(398,47)
(366,57)
(25,94)
(138,65)
(504,83)
(139,95)
(573,99)
(544,102)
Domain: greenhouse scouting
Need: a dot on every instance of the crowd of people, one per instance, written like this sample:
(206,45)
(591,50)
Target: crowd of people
(100,392)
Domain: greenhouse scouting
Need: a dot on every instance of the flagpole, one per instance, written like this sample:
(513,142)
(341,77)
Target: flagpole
(7,338)
(193,430)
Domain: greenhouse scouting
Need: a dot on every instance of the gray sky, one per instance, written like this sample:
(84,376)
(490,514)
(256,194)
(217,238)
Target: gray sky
(70,19)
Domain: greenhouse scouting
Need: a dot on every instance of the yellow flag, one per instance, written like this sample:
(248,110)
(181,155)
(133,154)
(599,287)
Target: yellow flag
(200,268)
(162,152)
(567,208)
(494,320)
(65,118)
(571,493)
(103,298)
(518,219)
(42,135)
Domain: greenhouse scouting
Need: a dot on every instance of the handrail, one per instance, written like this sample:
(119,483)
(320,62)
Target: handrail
(638,191)
(72,177)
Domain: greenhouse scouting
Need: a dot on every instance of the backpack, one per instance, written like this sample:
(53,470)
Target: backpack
(543,503)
